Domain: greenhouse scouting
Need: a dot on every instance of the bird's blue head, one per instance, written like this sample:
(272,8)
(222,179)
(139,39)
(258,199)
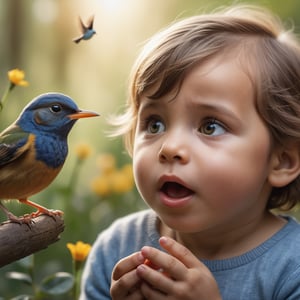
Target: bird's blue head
(51,113)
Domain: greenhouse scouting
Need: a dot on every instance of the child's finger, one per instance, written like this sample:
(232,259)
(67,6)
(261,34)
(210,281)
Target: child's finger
(180,252)
(154,279)
(127,264)
(164,263)
(126,287)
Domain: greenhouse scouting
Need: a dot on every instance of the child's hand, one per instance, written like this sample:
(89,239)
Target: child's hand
(125,281)
(187,278)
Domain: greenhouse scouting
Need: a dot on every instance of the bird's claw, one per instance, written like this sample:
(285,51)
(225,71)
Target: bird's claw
(49,212)
(26,219)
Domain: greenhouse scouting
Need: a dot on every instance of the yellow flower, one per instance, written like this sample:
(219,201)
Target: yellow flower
(16,77)
(101,185)
(83,150)
(106,163)
(79,251)
(127,169)
(121,182)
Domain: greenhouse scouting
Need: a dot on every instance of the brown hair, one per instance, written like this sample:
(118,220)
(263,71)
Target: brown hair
(270,53)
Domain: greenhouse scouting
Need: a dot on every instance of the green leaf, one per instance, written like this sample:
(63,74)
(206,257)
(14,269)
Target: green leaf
(58,283)
(26,262)
(23,297)
(25,278)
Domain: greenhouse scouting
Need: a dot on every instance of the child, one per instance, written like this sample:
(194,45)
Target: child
(213,127)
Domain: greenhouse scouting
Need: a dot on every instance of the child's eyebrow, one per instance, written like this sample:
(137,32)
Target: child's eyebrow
(222,111)
(148,103)
(209,108)
(217,108)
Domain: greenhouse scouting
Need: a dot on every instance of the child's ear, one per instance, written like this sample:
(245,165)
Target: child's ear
(285,166)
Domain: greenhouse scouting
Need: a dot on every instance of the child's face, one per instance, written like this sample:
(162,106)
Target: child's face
(202,159)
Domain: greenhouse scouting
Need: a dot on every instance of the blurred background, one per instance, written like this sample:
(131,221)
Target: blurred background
(95,186)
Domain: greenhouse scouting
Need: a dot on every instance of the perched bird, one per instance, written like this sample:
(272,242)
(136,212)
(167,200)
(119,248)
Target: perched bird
(33,150)
(87,31)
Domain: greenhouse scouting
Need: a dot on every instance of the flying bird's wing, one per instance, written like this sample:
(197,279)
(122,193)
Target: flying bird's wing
(90,22)
(83,27)
(13,143)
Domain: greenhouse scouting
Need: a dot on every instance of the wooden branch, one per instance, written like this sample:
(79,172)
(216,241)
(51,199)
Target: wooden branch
(20,240)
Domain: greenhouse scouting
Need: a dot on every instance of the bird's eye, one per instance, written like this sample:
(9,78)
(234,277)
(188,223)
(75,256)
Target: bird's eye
(55,108)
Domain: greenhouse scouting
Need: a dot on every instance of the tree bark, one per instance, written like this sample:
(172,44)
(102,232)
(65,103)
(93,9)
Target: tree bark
(20,240)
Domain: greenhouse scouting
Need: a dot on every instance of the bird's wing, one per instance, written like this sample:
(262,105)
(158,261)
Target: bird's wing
(13,143)
(83,27)
(90,22)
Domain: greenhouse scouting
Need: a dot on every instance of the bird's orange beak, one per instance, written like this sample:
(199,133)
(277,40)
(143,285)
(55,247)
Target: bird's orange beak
(83,114)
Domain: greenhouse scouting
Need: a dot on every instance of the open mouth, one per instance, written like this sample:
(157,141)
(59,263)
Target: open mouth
(176,190)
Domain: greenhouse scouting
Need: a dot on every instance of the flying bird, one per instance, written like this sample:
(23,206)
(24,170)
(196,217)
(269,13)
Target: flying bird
(33,150)
(87,31)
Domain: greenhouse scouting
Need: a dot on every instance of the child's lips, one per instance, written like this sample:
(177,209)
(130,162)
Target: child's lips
(174,192)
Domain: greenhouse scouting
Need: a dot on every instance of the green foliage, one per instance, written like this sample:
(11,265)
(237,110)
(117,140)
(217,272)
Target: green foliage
(58,283)
(22,277)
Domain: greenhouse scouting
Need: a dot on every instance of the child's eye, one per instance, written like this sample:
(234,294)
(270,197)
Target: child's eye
(212,127)
(155,126)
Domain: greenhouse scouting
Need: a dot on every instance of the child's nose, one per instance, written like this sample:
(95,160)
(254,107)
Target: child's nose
(174,150)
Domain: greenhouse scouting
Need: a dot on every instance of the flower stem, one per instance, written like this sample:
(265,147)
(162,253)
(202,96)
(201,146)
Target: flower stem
(71,187)
(75,279)
(76,272)
(4,96)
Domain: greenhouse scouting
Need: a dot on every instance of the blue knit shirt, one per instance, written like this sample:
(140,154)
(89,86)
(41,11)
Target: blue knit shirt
(270,271)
